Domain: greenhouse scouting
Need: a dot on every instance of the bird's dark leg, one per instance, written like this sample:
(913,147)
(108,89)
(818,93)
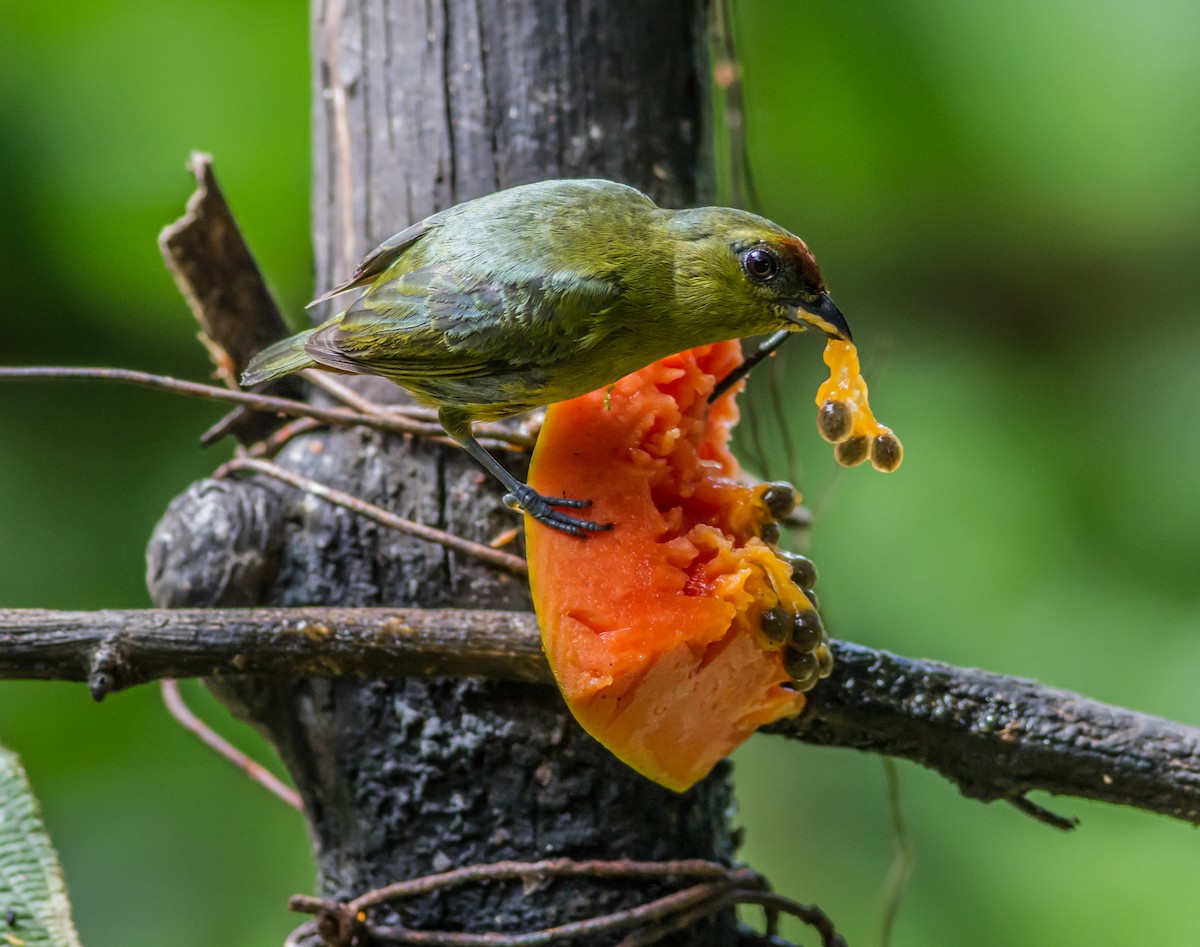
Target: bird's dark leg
(521,496)
(765,349)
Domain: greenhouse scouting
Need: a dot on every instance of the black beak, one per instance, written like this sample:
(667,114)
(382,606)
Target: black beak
(822,314)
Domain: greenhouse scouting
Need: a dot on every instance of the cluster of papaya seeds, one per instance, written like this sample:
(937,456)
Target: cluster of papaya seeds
(845,419)
(791,622)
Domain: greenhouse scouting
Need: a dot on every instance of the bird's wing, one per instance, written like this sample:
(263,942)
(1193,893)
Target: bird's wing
(378,260)
(438,321)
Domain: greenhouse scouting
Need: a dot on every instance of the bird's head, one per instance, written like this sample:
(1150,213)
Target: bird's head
(749,270)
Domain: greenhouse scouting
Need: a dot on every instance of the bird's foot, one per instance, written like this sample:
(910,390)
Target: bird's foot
(543,509)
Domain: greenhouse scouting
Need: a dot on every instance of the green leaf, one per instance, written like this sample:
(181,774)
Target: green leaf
(34,910)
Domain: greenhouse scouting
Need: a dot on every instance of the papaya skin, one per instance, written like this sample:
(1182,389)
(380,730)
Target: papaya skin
(654,630)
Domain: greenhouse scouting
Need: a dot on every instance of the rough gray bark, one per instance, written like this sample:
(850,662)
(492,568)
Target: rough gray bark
(418,106)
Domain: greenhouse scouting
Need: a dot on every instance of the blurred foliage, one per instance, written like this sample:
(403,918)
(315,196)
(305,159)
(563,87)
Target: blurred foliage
(1005,204)
(101,103)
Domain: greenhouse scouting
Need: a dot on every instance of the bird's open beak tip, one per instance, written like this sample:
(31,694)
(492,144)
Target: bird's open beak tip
(822,314)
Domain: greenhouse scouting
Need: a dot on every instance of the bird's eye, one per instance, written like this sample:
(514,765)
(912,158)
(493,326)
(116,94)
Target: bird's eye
(760,265)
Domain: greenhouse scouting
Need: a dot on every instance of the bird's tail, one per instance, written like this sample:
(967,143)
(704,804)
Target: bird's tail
(279,359)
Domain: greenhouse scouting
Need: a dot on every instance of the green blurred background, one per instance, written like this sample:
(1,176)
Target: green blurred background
(1006,203)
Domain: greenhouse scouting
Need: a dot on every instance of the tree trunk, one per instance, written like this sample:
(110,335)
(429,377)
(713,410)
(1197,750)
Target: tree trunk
(417,106)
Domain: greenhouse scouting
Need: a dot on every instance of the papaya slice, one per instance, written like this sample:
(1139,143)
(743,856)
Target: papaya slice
(677,634)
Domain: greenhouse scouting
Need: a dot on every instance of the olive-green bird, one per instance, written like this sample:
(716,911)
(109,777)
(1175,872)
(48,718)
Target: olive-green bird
(547,291)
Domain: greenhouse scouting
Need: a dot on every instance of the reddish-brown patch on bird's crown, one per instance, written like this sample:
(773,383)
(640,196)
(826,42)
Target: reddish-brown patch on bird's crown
(797,253)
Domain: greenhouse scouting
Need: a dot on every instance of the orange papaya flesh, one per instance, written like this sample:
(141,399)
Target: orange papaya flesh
(845,419)
(657,631)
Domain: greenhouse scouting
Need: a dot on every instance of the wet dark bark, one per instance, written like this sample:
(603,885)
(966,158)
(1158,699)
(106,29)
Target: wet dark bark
(419,105)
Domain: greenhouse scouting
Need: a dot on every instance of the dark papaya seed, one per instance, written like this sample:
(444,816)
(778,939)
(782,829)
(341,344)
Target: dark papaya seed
(852,451)
(824,661)
(807,630)
(804,573)
(769,533)
(835,420)
(776,624)
(812,597)
(802,668)
(886,452)
(780,498)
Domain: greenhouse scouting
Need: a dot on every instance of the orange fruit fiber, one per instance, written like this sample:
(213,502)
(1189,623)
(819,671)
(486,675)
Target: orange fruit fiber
(652,629)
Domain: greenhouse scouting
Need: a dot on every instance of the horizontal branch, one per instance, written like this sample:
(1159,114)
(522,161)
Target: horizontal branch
(998,737)
(995,737)
(112,650)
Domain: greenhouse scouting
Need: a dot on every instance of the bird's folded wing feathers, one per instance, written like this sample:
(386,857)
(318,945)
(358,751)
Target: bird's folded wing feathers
(435,320)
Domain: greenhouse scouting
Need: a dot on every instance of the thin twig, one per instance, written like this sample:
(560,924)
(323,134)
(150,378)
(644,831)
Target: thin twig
(275,442)
(550,868)
(607,923)
(503,560)
(343,919)
(296,937)
(226,425)
(352,399)
(681,921)
(272,445)
(902,858)
(483,430)
(1041,814)
(389,422)
(722,887)
(810,914)
(727,77)
(347,395)
(773,904)
(256,771)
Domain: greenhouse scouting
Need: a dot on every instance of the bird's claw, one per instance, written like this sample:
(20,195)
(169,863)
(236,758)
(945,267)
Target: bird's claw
(542,509)
(569,524)
(567,502)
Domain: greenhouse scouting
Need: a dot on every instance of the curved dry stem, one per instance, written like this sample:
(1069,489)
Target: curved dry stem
(503,560)
(389,421)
